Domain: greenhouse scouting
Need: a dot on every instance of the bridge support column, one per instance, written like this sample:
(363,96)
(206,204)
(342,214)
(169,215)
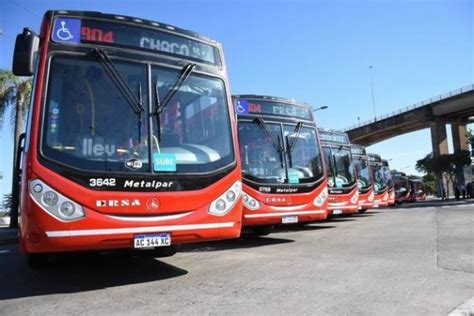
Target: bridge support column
(439,139)
(461,142)
(460,139)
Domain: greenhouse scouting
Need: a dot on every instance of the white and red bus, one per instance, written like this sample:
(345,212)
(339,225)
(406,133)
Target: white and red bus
(131,138)
(282,167)
(389,182)
(380,183)
(402,187)
(341,174)
(365,181)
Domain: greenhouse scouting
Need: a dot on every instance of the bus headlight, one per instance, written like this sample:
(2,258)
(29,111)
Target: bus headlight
(250,202)
(321,198)
(224,203)
(54,202)
(355,198)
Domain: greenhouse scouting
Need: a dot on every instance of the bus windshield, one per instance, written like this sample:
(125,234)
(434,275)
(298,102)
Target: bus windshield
(388,177)
(363,172)
(379,179)
(341,173)
(264,162)
(89,125)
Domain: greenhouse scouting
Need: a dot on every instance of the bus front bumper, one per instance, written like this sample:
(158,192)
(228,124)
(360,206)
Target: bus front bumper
(98,231)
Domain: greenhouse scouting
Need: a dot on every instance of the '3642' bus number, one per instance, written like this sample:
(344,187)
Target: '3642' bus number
(102,182)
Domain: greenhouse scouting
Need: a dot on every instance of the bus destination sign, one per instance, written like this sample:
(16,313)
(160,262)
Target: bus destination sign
(244,106)
(358,151)
(333,137)
(90,31)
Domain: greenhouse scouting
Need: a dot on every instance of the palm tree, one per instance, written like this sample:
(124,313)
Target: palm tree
(14,94)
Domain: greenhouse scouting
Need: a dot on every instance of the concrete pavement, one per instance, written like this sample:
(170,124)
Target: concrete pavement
(393,261)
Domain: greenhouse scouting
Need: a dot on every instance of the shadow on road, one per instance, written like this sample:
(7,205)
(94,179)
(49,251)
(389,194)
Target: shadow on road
(302,227)
(78,272)
(243,242)
(434,203)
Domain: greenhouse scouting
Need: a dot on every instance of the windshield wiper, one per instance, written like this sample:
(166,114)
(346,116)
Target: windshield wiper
(297,131)
(135,102)
(276,143)
(161,105)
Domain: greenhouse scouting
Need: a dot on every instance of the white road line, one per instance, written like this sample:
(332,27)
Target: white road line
(465,309)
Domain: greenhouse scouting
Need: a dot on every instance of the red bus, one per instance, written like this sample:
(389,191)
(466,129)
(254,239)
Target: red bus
(418,192)
(131,140)
(342,176)
(282,168)
(389,181)
(380,183)
(402,187)
(365,182)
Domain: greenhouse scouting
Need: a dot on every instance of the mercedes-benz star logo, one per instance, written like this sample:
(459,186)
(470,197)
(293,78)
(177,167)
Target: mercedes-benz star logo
(152,204)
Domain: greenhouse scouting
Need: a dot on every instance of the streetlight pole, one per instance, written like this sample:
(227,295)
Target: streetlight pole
(324,107)
(372,90)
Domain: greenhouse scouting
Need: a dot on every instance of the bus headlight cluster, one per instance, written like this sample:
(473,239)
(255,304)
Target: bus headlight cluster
(250,202)
(355,198)
(321,198)
(54,202)
(371,196)
(224,203)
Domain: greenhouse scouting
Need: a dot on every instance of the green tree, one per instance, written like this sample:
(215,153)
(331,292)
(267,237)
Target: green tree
(15,93)
(448,167)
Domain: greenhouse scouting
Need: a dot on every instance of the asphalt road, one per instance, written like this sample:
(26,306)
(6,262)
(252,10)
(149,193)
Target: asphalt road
(394,261)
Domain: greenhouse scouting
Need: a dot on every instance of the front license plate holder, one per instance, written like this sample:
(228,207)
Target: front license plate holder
(152,240)
(289,219)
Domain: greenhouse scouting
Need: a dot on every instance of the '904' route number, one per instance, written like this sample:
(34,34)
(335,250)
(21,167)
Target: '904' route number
(102,182)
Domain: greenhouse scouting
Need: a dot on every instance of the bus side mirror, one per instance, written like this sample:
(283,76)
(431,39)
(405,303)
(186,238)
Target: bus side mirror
(26,47)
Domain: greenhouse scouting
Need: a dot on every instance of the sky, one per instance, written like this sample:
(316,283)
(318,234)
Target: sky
(317,52)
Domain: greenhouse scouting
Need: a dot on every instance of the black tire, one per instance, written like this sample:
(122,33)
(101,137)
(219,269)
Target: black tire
(361,211)
(37,260)
(168,251)
(263,230)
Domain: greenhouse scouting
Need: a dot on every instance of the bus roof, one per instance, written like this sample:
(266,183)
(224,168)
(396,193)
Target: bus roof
(129,20)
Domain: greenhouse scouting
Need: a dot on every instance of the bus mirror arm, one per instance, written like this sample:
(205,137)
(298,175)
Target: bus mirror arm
(17,175)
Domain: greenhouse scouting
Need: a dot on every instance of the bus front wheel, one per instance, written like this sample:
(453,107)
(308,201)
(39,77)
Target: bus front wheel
(263,230)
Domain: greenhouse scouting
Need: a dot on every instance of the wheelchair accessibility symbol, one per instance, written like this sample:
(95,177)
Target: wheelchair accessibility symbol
(63,33)
(242,106)
(67,30)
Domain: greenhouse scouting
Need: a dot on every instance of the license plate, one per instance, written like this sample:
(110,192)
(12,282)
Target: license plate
(152,240)
(289,219)
(337,212)
(376,205)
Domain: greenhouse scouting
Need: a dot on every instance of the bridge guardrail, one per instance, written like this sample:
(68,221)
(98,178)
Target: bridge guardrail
(414,106)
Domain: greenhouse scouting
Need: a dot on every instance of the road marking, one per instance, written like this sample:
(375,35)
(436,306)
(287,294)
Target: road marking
(465,309)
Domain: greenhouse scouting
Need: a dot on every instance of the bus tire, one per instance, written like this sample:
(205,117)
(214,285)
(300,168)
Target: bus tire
(263,230)
(37,260)
(362,210)
(168,251)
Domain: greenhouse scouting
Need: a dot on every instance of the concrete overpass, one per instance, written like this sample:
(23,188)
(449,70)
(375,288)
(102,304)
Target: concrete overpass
(455,108)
